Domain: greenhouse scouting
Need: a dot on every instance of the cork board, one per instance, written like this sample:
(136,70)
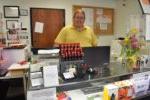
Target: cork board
(99,18)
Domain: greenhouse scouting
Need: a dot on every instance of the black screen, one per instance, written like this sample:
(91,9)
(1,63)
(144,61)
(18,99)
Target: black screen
(97,56)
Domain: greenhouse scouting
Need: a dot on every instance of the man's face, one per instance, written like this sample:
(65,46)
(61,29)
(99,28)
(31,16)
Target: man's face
(78,20)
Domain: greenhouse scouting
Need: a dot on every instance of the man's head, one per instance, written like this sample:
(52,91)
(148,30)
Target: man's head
(79,18)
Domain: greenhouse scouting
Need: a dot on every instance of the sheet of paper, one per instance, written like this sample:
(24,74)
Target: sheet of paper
(37,82)
(141,81)
(50,75)
(104,19)
(99,11)
(139,75)
(48,51)
(89,13)
(38,27)
(68,75)
(36,75)
(103,26)
(42,94)
(35,67)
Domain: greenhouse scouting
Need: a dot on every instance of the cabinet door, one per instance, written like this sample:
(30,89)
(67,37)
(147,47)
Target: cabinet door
(52,19)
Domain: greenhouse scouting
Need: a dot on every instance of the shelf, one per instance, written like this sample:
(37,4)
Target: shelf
(113,71)
(104,75)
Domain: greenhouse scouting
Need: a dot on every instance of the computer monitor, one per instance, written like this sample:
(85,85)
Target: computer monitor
(97,56)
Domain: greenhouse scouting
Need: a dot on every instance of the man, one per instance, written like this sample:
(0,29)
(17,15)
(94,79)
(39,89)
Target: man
(77,32)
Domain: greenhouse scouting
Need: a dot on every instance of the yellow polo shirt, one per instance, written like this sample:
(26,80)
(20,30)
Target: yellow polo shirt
(69,34)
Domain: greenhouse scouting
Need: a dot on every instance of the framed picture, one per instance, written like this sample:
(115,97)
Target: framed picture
(11,24)
(23,12)
(145,5)
(11,11)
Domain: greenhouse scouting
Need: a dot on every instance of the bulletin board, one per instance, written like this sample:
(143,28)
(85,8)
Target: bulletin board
(98,18)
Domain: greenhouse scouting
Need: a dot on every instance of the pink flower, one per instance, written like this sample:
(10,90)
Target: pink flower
(134,42)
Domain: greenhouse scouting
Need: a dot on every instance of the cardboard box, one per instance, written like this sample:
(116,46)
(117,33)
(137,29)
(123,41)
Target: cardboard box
(17,69)
(110,92)
(126,90)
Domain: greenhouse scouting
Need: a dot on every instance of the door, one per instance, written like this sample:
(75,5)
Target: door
(52,19)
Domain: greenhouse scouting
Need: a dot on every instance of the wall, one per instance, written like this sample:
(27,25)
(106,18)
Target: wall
(121,12)
(124,14)
(64,4)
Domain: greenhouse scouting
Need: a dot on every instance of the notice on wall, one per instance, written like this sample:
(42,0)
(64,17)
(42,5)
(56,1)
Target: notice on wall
(42,94)
(38,27)
(103,26)
(89,16)
(103,21)
(99,11)
(50,75)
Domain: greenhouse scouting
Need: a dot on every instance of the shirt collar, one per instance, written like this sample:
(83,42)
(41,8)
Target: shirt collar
(84,28)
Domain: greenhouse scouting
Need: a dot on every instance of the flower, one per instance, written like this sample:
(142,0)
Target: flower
(131,47)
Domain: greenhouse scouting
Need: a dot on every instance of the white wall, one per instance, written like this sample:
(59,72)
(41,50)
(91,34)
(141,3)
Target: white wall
(64,4)
(123,15)
(121,12)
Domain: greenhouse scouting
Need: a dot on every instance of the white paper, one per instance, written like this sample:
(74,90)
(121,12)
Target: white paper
(68,75)
(141,81)
(141,85)
(103,26)
(37,82)
(104,19)
(99,11)
(50,74)
(43,94)
(89,13)
(48,51)
(139,75)
(35,67)
(36,75)
(39,27)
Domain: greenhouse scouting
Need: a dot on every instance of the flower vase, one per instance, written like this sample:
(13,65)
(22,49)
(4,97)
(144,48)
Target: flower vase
(132,63)
(127,65)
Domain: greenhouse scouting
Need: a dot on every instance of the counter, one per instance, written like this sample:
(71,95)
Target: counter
(13,55)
